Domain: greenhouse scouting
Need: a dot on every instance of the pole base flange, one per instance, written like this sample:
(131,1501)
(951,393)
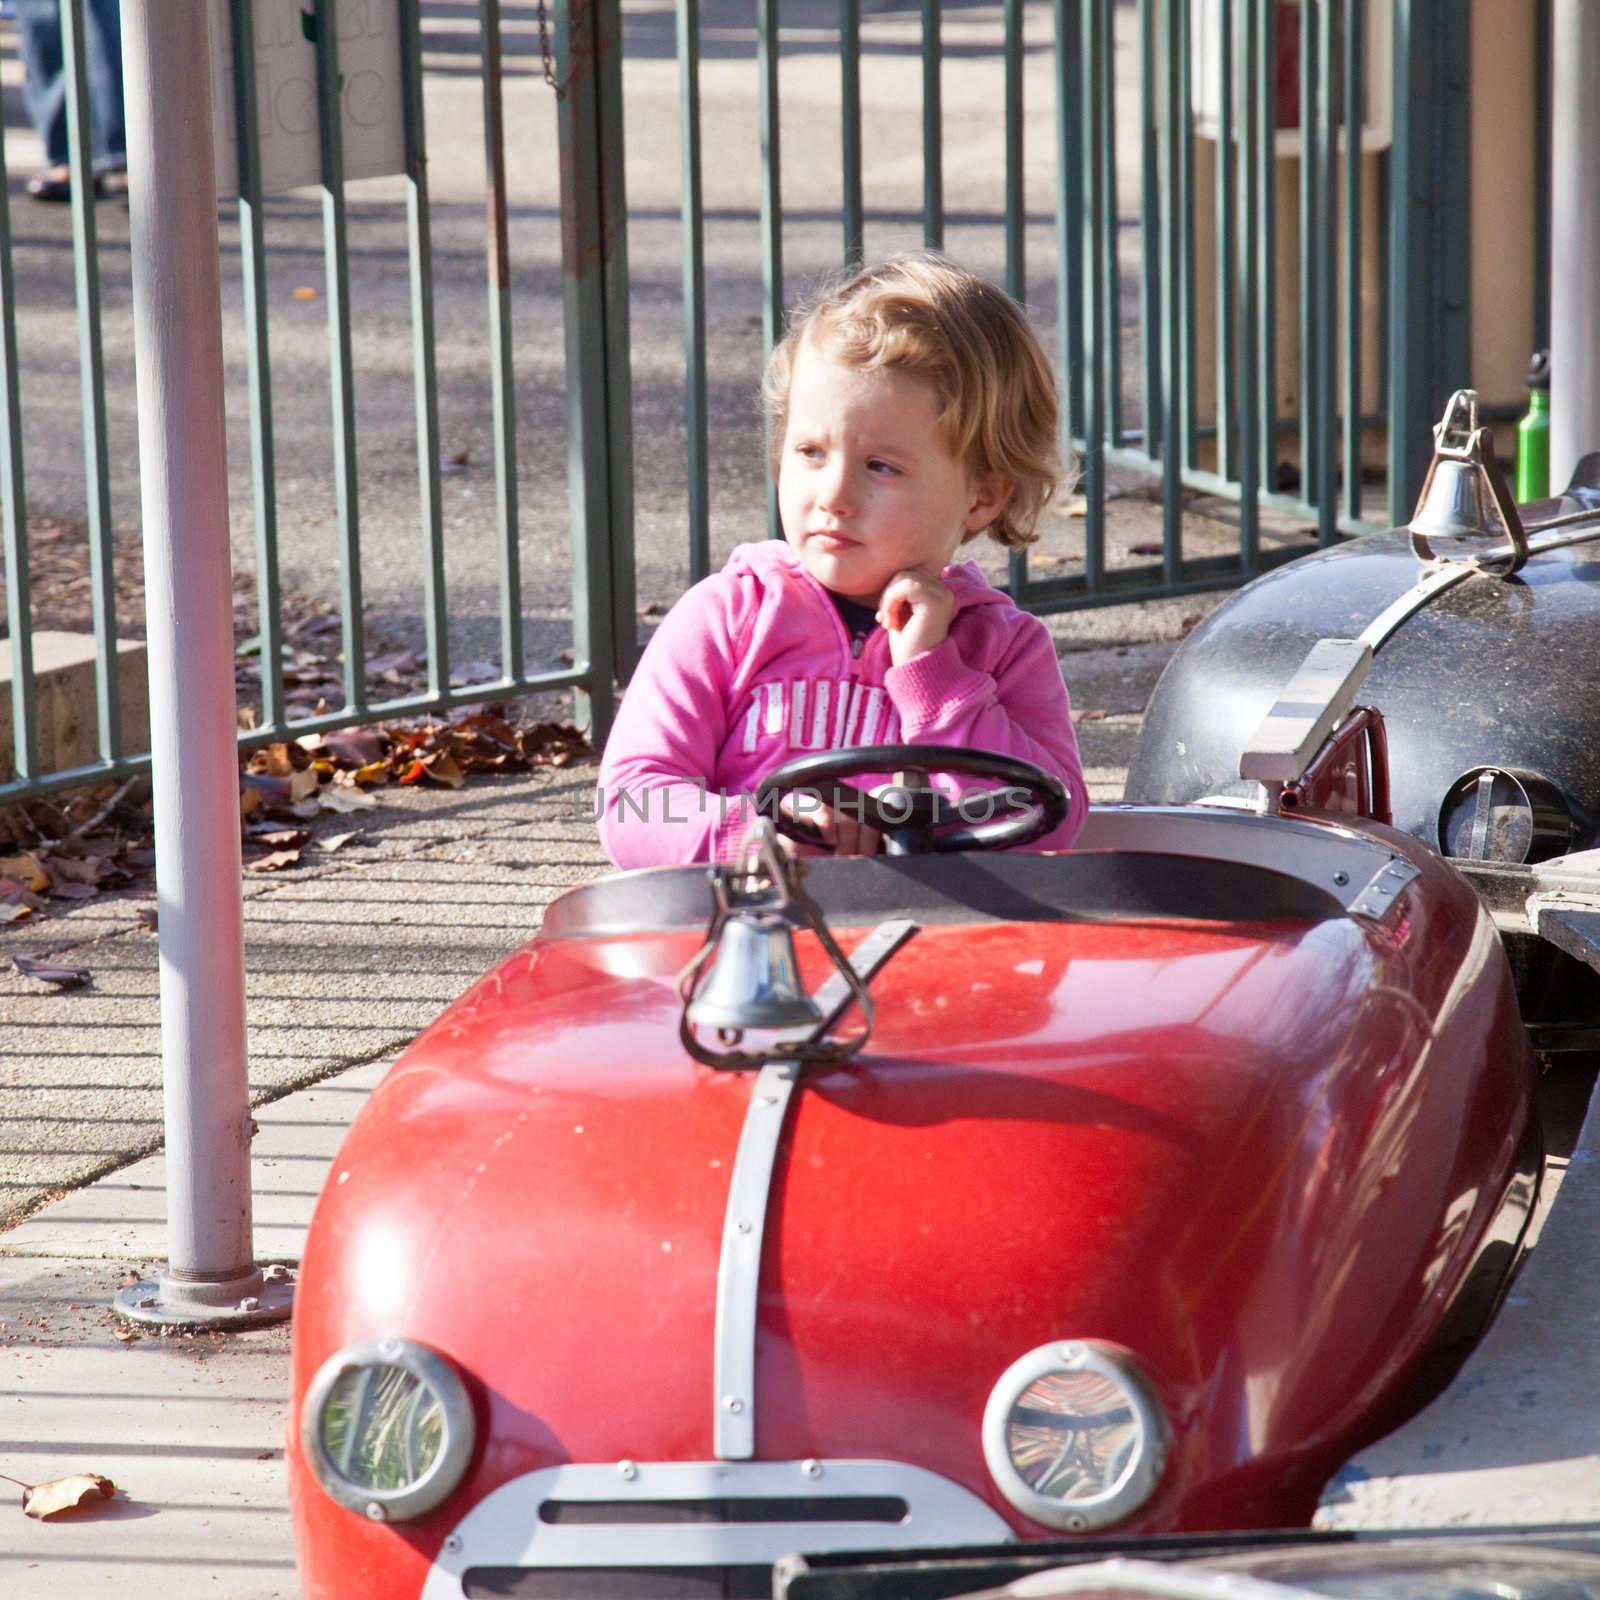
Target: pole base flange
(247,1301)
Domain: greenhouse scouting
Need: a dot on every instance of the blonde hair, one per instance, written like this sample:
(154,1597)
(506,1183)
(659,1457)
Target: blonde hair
(922,313)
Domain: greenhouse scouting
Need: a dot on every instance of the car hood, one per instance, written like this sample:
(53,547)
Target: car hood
(1134,1132)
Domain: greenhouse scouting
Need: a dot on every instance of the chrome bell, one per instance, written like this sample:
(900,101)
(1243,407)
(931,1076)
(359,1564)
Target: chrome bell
(1465,512)
(754,980)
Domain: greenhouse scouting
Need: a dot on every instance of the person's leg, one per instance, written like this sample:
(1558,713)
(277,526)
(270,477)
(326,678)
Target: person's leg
(104,64)
(44,84)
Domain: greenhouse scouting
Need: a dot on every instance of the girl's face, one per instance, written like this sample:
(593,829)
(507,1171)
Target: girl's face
(866,485)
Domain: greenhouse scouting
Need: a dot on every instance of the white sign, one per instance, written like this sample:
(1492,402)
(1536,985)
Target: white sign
(371,92)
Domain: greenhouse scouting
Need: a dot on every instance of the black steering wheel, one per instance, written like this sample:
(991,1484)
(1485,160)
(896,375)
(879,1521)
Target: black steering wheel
(914,818)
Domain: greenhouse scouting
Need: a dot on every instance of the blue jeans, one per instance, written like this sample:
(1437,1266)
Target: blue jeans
(45,89)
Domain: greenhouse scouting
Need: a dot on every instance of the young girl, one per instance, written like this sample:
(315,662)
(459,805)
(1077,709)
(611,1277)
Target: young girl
(912,410)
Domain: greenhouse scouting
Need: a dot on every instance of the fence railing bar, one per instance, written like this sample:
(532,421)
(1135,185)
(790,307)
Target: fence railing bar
(258,365)
(1016,197)
(579,42)
(932,127)
(1070,327)
(771,208)
(341,374)
(91,366)
(850,128)
(1094,237)
(619,360)
(1016,208)
(1310,246)
(1106,87)
(1123,585)
(1247,221)
(1174,433)
(1355,47)
(1186,192)
(1265,240)
(14,505)
(1152,247)
(425,382)
(1227,248)
(502,378)
(694,291)
(1327,312)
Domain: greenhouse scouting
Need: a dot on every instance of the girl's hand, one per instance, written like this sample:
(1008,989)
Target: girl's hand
(916,608)
(837,829)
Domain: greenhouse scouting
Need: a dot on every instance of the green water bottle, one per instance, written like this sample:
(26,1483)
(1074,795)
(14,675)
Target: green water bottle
(1533,434)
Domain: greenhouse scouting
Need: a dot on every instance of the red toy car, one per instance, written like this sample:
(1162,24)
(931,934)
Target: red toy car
(1171,1171)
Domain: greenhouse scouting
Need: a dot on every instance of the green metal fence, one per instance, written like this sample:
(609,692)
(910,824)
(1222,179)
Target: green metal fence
(1132,383)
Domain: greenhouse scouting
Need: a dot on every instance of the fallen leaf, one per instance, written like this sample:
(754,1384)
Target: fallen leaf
(124,1334)
(442,767)
(1150,547)
(11,890)
(390,666)
(305,292)
(355,746)
(250,802)
(65,1494)
(11,910)
(271,837)
(26,868)
(50,972)
(245,717)
(338,797)
(65,869)
(474,672)
(150,918)
(337,841)
(276,861)
(1093,714)
(76,891)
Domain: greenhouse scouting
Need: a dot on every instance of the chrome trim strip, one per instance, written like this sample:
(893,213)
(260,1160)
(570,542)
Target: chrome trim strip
(1379,896)
(504,1529)
(733,1430)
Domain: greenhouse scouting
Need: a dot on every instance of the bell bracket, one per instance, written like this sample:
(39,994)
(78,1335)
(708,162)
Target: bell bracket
(1465,514)
(761,887)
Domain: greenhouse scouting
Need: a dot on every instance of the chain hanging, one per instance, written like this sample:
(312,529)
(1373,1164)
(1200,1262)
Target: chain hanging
(547,54)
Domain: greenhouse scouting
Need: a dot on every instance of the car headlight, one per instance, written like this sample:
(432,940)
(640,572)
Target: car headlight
(1074,1435)
(388,1429)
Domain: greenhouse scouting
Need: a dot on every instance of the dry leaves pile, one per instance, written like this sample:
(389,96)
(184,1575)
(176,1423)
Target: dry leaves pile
(74,847)
(287,785)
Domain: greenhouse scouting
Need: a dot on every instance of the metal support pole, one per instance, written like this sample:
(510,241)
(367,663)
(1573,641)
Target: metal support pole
(211,1277)
(1574,239)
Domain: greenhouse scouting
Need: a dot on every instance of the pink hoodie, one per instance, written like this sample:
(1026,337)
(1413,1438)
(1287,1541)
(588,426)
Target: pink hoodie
(755,665)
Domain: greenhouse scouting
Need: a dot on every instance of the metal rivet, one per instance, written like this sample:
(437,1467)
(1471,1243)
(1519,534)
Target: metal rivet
(744,1227)
(375,1512)
(453,1544)
(1077,1524)
(812,1469)
(1341,878)
(249,1303)
(1072,1353)
(732,1403)
(388,1347)
(628,1470)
